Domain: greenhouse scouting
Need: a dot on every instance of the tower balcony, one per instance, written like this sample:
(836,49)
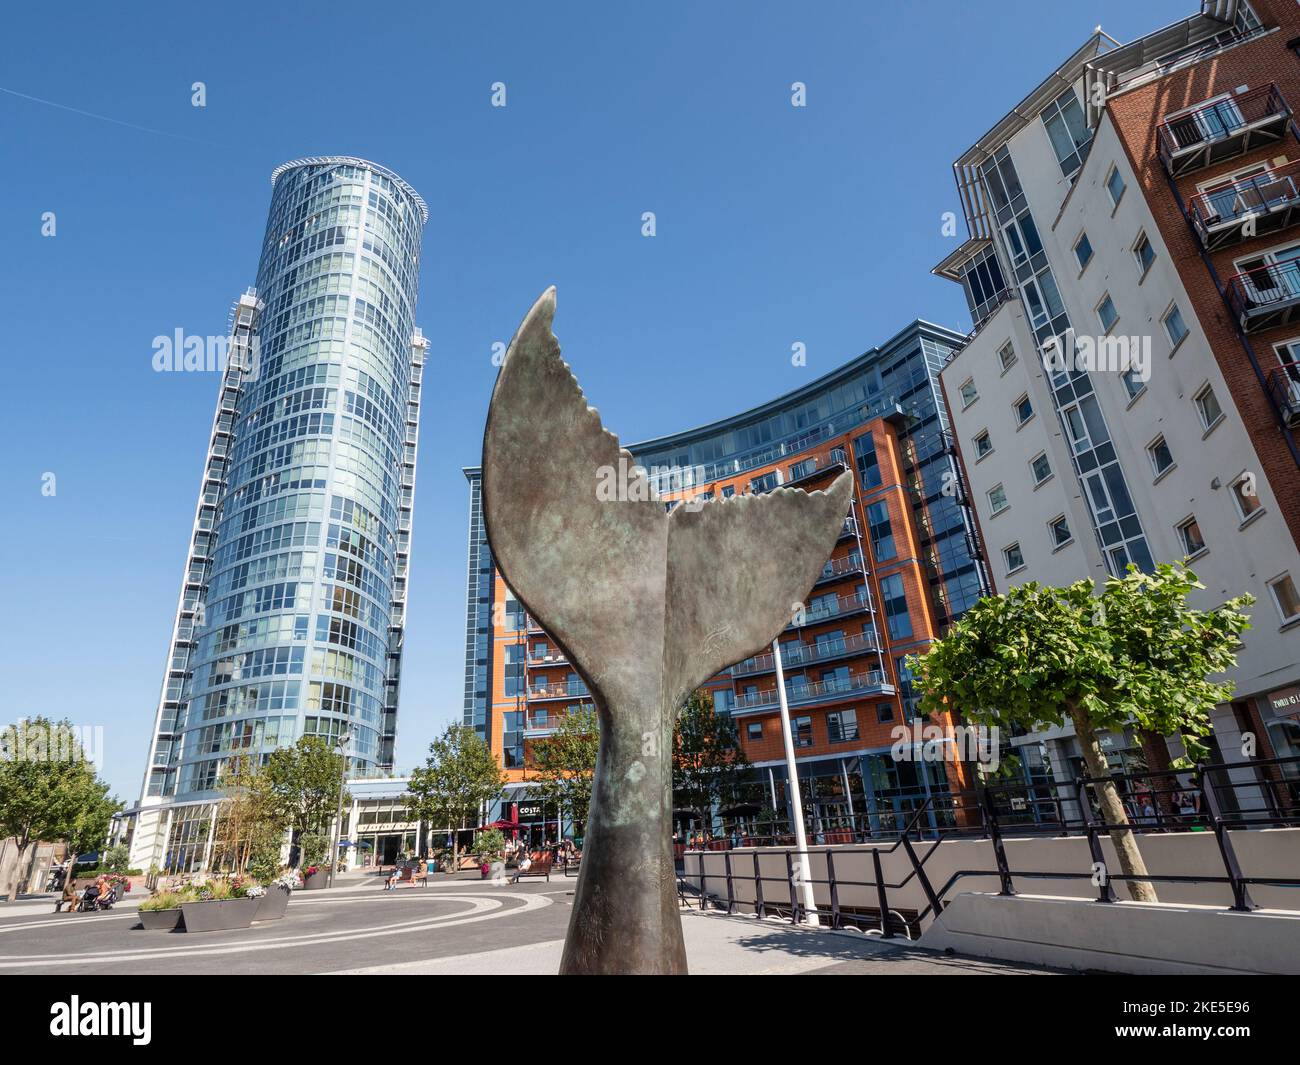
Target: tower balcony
(815,693)
(838,568)
(1222,129)
(841,607)
(554,692)
(540,722)
(1253,207)
(808,653)
(551,658)
(1284,390)
(1266,296)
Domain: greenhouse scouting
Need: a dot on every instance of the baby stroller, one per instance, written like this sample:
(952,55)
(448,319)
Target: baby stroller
(106,900)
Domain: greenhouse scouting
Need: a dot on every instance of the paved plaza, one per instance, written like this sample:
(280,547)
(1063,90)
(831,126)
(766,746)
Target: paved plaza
(451,927)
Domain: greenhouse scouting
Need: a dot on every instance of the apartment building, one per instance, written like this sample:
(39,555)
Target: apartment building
(907,562)
(1130,392)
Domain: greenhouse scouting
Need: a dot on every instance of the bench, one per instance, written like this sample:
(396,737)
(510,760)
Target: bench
(541,866)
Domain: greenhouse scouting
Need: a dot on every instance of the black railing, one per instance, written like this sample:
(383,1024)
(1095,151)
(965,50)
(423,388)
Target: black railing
(1204,798)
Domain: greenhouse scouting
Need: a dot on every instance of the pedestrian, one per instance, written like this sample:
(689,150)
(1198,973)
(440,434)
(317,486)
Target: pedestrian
(69,896)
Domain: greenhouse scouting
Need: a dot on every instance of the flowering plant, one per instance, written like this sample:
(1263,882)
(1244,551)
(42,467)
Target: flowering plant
(256,891)
(290,880)
(310,871)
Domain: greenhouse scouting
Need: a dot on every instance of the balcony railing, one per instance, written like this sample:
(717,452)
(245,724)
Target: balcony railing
(1253,207)
(804,693)
(1222,129)
(551,658)
(815,466)
(805,653)
(1285,392)
(841,567)
(1267,296)
(842,606)
(558,691)
(539,723)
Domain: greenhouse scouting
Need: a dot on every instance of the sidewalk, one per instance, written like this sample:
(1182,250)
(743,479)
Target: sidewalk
(717,944)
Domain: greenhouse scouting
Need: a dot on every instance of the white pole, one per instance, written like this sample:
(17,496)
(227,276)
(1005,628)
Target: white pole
(800,836)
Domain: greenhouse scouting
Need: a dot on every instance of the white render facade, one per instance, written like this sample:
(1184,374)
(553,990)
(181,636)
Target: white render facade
(1181,454)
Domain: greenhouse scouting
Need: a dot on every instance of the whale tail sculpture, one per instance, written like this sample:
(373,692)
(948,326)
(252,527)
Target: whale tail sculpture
(646,605)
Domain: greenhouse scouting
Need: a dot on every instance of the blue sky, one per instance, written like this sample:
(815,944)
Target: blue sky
(775,225)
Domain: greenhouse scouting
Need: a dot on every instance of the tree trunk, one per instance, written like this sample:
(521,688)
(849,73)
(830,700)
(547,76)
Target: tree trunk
(1156,752)
(1124,839)
(16,880)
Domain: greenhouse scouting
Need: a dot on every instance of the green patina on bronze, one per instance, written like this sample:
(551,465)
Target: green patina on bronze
(646,605)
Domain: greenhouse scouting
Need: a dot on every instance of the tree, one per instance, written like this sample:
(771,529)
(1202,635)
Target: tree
(709,768)
(457,778)
(49,791)
(303,782)
(1136,654)
(251,820)
(564,764)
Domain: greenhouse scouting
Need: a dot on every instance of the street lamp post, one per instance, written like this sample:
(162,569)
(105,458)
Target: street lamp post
(337,834)
(800,836)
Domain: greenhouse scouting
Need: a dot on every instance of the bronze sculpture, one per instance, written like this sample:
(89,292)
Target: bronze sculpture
(646,605)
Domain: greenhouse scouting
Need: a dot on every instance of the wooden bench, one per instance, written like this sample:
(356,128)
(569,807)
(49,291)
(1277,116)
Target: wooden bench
(541,866)
(417,874)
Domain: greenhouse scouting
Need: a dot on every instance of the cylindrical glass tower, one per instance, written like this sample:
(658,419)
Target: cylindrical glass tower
(298,611)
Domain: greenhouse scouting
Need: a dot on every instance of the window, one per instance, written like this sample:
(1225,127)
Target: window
(983,445)
(803,734)
(1133,383)
(1024,409)
(1245,496)
(969,394)
(1207,404)
(1021,236)
(1115,185)
(1161,457)
(1106,313)
(1144,254)
(728,491)
(1060,531)
(884,712)
(997,499)
(1175,328)
(1285,597)
(1041,467)
(864,453)
(1014,557)
(1067,130)
(881,531)
(895,603)
(1083,250)
(1007,356)
(763,483)
(842,726)
(1189,535)
(1085,424)
(754,730)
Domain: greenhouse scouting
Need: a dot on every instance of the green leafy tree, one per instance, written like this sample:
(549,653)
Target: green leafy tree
(251,820)
(49,792)
(117,859)
(709,768)
(564,763)
(1136,654)
(303,782)
(458,777)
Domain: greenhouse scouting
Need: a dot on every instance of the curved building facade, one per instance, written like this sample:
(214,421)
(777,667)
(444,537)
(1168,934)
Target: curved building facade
(907,563)
(291,616)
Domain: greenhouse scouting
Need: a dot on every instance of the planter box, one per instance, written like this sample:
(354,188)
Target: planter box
(162,920)
(272,905)
(219,915)
(315,882)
